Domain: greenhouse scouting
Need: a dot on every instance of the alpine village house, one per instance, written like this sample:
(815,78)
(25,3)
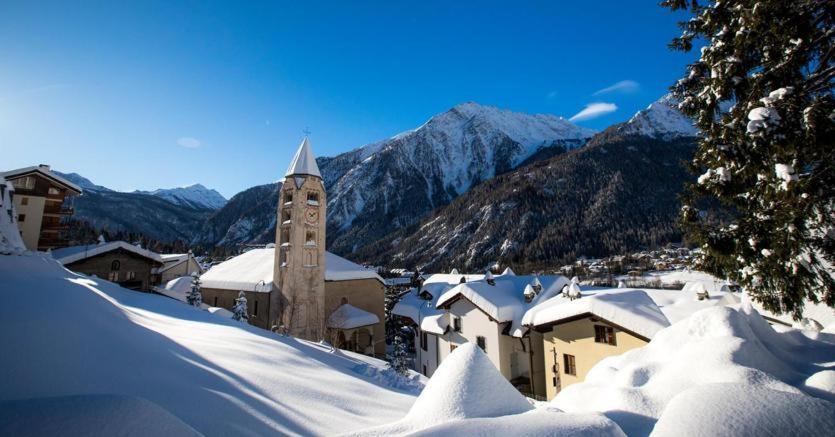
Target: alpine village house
(40,200)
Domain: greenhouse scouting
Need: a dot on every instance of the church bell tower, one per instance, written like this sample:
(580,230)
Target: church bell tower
(299,270)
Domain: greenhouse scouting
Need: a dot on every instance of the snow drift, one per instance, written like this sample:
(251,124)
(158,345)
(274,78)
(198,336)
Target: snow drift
(688,377)
(65,334)
(468,395)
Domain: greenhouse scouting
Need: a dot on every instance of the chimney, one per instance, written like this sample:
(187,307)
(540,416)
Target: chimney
(44,167)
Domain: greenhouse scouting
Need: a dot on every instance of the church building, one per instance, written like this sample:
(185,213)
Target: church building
(295,284)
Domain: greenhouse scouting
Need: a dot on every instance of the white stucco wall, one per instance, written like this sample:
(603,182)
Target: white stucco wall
(474,323)
(428,357)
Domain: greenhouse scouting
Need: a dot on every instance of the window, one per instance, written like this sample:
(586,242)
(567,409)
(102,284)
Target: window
(255,309)
(569,365)
(113,276)
(288,196)
(424,370)
(26,183)
(424,339)
(115,265)
(286,215)
(452,347)
(53,191)
(21,217)
(310,238)
(604,334)
(130,275)
(481,342)
(313,197)
(215,304)
(24,200)
(456,324)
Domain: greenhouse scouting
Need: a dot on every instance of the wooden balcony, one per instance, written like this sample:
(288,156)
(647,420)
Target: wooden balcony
(58,210)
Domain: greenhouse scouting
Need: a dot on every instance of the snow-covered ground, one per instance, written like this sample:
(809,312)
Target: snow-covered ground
(721,371)
(75,338)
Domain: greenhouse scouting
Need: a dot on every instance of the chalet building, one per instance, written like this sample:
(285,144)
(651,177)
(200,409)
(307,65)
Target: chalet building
(578,334)
(41,200)
(117,261)
(296,285)
(453,309)
(176,265)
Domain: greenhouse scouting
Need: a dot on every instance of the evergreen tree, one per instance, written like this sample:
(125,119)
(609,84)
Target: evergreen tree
(399,358)
(239,310)
(767,161)
(194,296)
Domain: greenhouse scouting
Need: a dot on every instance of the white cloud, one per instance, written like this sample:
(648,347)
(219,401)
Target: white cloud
(594,110)
(189,142)
(624,86)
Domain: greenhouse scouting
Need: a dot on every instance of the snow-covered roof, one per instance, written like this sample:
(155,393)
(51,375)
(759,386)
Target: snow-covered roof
(304,163)
(44,171)
(504,301)
(69,255)
(435,323)
(253,271)
(348,316)
(172,260)
(249,271)
(340,269)
(632,310)
(508,272)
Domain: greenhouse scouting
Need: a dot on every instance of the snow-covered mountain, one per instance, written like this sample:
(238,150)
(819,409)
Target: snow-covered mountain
(387,185)
(660,120)
(81,181)
(617,193)
(193,195)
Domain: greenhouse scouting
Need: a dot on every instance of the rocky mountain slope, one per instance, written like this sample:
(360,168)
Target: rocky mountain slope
(195,195)
(388,185)
(248,217)
(165,215)
(618,192)
(152,216)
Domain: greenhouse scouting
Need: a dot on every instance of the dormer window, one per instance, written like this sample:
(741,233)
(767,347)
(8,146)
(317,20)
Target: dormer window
(312,198)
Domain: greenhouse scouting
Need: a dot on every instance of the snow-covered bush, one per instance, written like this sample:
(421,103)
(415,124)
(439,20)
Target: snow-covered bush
(194,296)
(399,357)
(239,311)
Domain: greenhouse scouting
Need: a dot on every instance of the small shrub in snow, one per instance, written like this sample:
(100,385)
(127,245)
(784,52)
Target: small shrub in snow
(399,357)
(194,296)
(239,311)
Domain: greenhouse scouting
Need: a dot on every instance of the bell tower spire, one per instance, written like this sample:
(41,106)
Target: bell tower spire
(299,270)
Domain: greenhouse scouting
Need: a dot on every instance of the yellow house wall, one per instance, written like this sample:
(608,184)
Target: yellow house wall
(31,227)
(577,338)
(365,294)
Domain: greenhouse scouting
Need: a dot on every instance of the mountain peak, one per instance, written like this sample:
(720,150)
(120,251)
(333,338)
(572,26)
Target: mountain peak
(194,195)
(662,120)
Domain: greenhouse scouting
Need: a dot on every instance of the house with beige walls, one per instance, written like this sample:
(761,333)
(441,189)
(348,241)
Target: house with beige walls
(116,261)
(578,334)
(41,201)
(452,309)
(176,265)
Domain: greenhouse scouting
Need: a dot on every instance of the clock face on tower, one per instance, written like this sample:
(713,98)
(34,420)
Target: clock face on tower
(311,216)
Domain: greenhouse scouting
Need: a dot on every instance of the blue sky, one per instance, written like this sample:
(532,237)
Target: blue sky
(150,94)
